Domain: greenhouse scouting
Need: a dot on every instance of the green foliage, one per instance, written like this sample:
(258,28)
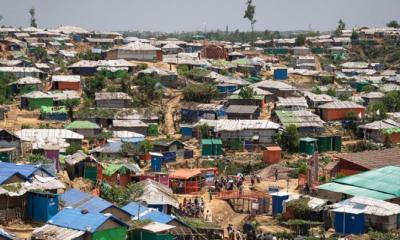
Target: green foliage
(204,130)
(200,92)
(376,108)
(142,66)
(73,148)
(70,104)
(352,115)
(362,146)
(40,53)
(94,84)
(393,24)
(300,208)
(331,92)
(300,40)
(247,92)
(354,35)
(344,97)
(121,196)
(199,223)
(32,13)
(89,55)
(249,14)
(289,138)
(37,159)
(368,89)
(150,86)
(197,74)
(299,167)
(25,126)
(5,93)
(316,90)
(392,101)
(45,126)
(130,149)
(395,235)
(341,26)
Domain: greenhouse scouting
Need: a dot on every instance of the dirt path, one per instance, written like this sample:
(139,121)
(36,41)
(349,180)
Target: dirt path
(317,64)
(170,108)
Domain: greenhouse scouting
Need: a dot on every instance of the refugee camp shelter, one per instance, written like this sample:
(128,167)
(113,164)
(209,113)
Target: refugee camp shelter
(82,165)
(135,51)
(136,126)
(379,215)
(85,128)
(291,104)
(26,85)
(353,163)
(378,130)
(153,231)
(110,172)
(36,99)
(186,181)
(112,100)
(349,221)
(95,226)
(168,145)
(305,121)
(158,196)
(308,145)
(93,204)
(340,110)
(66,82)
(381,184)
(193,113)
(243,112)
(57,113)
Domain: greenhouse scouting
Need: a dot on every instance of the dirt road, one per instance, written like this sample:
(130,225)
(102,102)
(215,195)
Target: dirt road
(170,109)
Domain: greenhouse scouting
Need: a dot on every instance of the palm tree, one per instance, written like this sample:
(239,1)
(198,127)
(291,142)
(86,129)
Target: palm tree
(249,14)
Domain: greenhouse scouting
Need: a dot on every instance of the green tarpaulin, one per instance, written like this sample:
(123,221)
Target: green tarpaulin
(110,234)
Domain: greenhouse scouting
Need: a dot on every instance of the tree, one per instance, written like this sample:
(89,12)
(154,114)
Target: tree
(289,138)
(200,92)
(204,130)
(377,112)
(393,24)
(70,104)
(331,92)
(341,26)
(392,101)
(40,53)
(300,40)
(249,14)
(94,84)
(150,86)
(5,93)
(121,196)
(32,12)
(247,92)
(354,35)
(73,148)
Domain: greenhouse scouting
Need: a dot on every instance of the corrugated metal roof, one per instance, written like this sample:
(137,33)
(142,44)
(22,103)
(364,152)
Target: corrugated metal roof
(74,219)
(385,180)
(157,216)
(112,96)
(301,118)
(158,227)
(30,134)
(249,109)
(373,159)
(355,191)
(133,208)
(239,125)
(25,170)
(127,134)
(184,173)
(82,125)
(370,206)
(29,80)
(291,101)
(269,84)
(157,193)
(129,123)
(52,232)
(340,105)
(66,78)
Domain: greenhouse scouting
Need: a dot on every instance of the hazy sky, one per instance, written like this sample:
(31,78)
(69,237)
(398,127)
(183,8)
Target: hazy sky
(188,15)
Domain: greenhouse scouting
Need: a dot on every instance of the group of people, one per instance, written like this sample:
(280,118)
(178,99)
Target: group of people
(192,207)
(229,183)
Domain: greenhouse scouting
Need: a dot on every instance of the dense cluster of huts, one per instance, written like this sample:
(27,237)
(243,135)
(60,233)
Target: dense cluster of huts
(367,197)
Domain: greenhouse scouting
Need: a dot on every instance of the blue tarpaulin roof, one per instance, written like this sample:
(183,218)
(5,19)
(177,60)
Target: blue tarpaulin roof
(25,170)
(157,216)
(132,208)
(77,199)
(5,175)
(73,218)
